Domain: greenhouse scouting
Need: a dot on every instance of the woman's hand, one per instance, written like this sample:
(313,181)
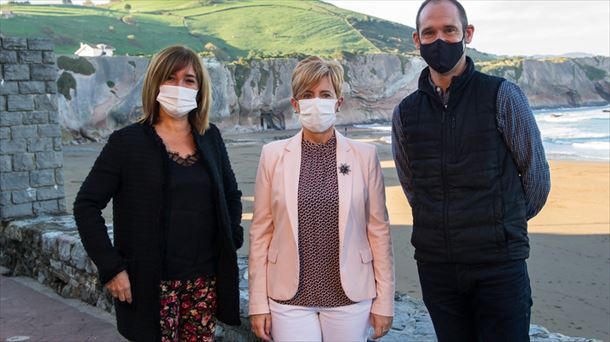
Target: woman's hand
(381,324)
(261,325)
(120,287)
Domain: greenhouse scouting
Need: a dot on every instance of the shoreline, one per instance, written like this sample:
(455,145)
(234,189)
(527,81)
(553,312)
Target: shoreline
(541,109)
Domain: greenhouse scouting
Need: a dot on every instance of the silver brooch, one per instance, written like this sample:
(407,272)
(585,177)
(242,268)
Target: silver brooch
(344,169)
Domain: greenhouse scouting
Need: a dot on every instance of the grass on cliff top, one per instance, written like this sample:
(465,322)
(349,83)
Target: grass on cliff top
(67,26)
(511,68)
(238,28)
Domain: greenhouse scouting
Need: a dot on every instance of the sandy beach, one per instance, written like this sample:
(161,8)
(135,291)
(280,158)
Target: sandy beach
(570,239)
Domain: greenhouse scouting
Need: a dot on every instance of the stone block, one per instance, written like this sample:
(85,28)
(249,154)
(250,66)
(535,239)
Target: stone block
(40,144)
(9,87)
(6,164)
(51,192)
(64,247)
(13,146)
(7,56)
(48,160)
(34,118)
(15,181)
(2,103)
(54,117)
(49,131)
(23,162)
(48,57)
(32,87)
(44,72)
(40,178)
(45,102)
(51,87)
(24,196)
(5,133)
(16,103)
(30,57)
(5,198)
(59,176)
(16,72)
(78,256)
(26,131)
(57,144)
(49,241)
(44,44)
(61,204)
(14,43)
(17,210)
(10,119)
(90,267)
(46,207)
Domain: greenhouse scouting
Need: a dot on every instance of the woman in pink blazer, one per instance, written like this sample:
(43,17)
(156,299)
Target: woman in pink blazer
(321,263)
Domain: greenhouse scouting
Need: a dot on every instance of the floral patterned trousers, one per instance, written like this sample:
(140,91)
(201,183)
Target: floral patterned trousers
(188,310)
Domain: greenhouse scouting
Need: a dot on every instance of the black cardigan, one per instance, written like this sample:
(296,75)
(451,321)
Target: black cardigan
(132,170)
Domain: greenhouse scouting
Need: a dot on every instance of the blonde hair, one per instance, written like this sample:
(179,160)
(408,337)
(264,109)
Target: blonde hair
(161,67)
(310,71)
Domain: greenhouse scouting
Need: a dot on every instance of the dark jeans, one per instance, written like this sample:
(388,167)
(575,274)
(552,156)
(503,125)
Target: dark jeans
(478,302)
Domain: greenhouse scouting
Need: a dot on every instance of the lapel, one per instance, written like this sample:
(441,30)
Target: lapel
(292,170)
(345,157)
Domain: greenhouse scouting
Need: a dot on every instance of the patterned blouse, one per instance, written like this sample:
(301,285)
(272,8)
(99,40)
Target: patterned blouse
(318,212)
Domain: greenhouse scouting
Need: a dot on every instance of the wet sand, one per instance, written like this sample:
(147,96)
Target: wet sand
(570,239)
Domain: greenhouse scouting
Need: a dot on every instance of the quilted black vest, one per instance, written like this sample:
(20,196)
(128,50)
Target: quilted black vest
(469,203)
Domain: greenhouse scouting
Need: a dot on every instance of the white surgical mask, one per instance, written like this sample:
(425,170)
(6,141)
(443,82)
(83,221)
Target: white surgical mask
(317,115)
(177,101)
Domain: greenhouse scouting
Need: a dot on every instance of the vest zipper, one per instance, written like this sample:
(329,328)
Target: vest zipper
(445,183)
(453,138)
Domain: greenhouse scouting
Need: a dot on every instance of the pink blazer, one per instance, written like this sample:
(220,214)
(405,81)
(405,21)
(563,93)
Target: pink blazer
(366,258)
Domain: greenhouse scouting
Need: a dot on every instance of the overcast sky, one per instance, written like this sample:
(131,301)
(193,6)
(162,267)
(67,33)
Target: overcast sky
(537,27)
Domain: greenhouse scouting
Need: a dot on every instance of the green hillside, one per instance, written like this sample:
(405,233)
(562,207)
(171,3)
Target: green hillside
(229,29)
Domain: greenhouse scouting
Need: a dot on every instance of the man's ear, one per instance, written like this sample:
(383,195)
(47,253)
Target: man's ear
(468,34)
(416,40)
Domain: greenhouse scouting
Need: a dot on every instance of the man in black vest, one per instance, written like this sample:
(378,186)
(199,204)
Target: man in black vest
(470,160)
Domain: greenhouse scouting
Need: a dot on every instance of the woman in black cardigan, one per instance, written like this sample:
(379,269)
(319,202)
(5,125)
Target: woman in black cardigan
(176,211)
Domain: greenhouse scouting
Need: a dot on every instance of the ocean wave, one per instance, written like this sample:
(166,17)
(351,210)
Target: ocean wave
(553,133)
(593,145)
(377,127)
(386,139)
(572,117)
(574,156)
(572,109)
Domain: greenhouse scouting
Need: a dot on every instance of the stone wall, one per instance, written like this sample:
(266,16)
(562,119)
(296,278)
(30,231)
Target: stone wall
(48,249)
(31,178)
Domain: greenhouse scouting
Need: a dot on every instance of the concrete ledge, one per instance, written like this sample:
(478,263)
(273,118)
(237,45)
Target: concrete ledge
(48,249)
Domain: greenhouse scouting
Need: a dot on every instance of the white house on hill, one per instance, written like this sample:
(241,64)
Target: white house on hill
(6,14)
(87,50)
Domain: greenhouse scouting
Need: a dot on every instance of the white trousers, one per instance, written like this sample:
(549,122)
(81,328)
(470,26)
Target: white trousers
(348,323)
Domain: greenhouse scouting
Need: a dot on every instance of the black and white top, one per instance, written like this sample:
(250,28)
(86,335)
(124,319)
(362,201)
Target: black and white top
(318,212)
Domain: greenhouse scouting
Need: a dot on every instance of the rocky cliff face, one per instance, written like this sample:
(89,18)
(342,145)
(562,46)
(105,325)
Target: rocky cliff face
(560,82)
(374,84)
(104,100)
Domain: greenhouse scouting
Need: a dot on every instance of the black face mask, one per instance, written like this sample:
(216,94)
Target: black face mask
(442,56)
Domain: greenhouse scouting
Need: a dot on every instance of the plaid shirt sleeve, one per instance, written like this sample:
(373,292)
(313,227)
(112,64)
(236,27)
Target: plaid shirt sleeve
(400,156)
(517,124)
